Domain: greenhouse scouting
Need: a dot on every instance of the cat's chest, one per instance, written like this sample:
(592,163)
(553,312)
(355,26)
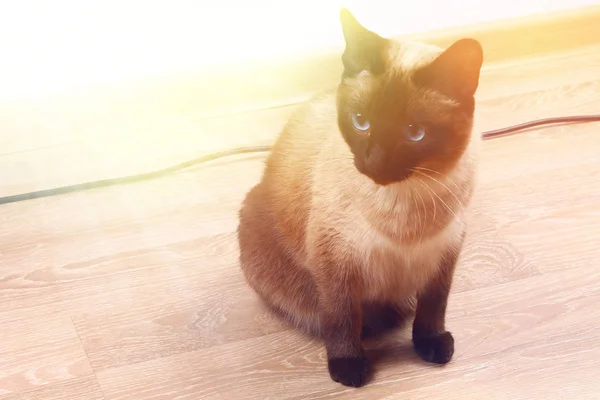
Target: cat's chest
(390,267)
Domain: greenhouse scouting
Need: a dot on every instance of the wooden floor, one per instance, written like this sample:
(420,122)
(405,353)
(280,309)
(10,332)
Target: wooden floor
(134,292)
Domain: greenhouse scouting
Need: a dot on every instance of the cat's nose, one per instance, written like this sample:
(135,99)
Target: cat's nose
(374,157)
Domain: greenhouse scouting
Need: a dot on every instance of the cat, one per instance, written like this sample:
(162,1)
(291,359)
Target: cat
(359,217)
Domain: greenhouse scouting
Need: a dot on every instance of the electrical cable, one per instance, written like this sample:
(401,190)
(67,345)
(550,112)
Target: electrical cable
(545,121)
(253,149)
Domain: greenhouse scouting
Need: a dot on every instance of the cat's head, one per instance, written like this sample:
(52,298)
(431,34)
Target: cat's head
(403,106)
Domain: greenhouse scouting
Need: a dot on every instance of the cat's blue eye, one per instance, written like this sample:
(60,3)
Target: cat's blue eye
(414,132)
(360,123)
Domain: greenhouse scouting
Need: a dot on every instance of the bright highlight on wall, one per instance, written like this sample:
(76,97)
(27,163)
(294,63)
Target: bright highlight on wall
(53,45)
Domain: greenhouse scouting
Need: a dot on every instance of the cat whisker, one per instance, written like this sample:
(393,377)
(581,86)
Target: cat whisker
(440,199)
(424,186)
(440,174)
(422,224)
(442,184)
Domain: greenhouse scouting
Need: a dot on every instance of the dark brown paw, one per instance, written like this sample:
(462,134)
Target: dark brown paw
(437,348)
(348,371)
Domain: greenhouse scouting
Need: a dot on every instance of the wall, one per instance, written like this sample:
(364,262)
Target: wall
(48,46)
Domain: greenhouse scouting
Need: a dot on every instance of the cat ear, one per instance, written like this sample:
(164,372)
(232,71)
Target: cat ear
(455,72)
(364,49)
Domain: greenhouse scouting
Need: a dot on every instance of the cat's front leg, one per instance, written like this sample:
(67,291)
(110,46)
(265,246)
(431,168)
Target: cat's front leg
(432,342)
(340,312)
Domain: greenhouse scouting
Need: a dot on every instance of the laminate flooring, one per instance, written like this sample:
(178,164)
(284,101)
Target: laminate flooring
(134,292)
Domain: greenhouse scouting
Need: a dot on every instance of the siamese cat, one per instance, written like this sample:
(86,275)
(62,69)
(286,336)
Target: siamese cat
(358,220)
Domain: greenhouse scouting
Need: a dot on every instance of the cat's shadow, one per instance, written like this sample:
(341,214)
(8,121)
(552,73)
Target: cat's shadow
(390,348)
(390,342)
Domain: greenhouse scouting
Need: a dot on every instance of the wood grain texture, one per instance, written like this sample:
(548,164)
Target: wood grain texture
(558,217)
(543,325)
(84,388)
(540,342)
(39,351)
(135,292)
